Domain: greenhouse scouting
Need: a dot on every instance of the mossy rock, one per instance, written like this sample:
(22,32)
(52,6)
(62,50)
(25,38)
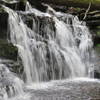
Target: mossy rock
(3,24)
(7,50)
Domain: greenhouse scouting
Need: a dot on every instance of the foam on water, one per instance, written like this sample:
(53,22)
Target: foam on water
(10,85)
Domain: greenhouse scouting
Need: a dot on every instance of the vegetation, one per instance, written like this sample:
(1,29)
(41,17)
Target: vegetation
(95,4)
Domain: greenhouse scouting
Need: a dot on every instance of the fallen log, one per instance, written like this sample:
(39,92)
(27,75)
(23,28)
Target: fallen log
(95,4)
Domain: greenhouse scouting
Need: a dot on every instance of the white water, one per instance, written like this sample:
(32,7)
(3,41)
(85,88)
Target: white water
(51,52)
(10,85)
(58,46)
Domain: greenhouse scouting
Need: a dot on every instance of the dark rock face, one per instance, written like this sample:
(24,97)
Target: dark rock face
(3,25)
(96,74)
(7,50)
(37,4)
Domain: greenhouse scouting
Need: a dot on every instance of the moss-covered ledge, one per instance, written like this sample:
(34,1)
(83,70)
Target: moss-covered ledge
(7,50)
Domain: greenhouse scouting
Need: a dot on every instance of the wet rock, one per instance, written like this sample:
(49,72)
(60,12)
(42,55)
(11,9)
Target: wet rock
(3,24)
(38,4)
(97,66)
(7,50)
(96,74)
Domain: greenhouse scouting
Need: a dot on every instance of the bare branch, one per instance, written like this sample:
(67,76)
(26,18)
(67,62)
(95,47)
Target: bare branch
(87,11)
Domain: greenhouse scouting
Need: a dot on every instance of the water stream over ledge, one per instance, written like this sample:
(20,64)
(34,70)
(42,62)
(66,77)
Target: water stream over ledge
(56,46)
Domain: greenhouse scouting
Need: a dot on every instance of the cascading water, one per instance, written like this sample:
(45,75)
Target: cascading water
(50,51)
(56,46)
(10,85)
(83,36)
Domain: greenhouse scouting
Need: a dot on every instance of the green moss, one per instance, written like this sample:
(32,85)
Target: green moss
(98,33)
(7,50)
(98,30)
(1,10)
(97,48)
(78,9)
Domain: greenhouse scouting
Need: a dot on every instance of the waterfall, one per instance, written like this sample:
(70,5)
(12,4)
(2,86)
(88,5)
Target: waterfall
(86,45)
(57,46)
(55,53)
